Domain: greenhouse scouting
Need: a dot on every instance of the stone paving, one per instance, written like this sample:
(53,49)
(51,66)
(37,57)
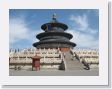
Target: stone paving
(54,73)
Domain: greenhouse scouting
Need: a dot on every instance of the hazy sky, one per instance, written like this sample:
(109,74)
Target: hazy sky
(25,24)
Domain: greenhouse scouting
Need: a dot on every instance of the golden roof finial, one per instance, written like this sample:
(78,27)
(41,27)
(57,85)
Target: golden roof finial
(54,16)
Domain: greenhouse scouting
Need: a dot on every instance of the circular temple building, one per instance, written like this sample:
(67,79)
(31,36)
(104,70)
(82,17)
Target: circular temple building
(54,36)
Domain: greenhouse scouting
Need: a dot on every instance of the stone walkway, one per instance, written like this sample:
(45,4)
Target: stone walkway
(54,73)
(72,63)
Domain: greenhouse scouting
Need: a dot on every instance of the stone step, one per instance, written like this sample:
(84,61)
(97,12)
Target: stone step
(72,64)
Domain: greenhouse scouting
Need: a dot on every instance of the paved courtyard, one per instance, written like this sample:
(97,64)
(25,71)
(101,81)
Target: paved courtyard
(54,73)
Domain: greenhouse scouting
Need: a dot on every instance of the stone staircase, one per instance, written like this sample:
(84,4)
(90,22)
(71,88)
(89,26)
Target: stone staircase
(72,63)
